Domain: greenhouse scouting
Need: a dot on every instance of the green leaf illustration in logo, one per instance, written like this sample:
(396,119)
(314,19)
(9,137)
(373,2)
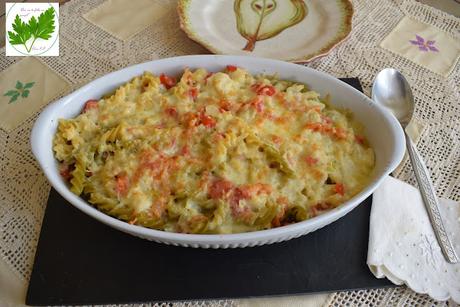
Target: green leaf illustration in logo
(36,29)
(263,19)
(44,27)
(22,90)
(21,32)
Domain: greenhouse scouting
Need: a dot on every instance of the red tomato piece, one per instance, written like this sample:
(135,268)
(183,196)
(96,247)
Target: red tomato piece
(121,184)
(277,140)
(244,213)
(323,206)
(241,193)
(90,104)
(267,90)
(158,208)
(339,133)
(207,121)
(190,119)
(258,103)
(65,171)
(167,81)
(359,139)
(171,111)
(311,161)
(224,106)
(315,126)
(319,207)
(247,191)
(219,188)
(207,77)
(185,150)
(283,201)
(326,119)
(193,92)
(231,68)
(241,213)
(264,89)
(339,189)
(264,188)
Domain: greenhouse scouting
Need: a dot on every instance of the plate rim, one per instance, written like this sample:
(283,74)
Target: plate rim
(342,35)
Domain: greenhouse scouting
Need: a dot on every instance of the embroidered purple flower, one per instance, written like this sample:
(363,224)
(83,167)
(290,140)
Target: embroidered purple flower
(422,45)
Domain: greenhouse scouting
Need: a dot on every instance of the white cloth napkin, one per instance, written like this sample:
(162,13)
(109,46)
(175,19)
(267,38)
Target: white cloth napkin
(402,244)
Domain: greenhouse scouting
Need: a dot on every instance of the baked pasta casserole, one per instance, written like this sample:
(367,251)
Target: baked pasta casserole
(213,153)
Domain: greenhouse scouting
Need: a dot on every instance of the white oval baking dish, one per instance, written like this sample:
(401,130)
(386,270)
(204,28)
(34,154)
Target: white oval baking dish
(382,130)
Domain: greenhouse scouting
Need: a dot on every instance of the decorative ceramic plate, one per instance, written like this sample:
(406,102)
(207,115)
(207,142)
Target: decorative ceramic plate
(290,30)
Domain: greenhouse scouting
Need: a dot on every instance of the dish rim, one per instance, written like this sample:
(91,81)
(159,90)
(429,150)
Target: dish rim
(45,120)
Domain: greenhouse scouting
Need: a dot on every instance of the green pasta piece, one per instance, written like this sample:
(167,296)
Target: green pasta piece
(218,216)
(267,215)
(78,176)
(102,202)
(176,208)
(112,135)
(198,224)
(146,219)
(62,143)
(275,154)
(122,211)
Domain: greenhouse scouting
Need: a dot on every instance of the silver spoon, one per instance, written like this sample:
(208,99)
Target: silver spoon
(391,90)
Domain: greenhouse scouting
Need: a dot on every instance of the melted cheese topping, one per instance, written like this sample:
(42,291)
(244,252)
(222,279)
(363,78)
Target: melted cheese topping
(221,152)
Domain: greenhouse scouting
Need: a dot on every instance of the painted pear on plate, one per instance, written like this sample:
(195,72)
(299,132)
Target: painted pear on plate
(262,19)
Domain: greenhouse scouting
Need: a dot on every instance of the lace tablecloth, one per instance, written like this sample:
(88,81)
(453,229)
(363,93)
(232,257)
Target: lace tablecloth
(87,51)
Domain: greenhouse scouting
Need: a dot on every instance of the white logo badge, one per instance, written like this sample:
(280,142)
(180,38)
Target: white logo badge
(32,29)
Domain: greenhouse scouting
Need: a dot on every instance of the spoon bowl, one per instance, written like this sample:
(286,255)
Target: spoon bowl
(391,90)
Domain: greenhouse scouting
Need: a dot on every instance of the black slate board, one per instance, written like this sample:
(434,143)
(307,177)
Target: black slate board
(81,261)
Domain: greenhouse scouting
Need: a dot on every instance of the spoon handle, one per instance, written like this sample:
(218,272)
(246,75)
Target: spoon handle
(431,202)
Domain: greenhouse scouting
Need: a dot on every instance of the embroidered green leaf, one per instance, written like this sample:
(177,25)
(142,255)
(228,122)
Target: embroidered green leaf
(44,27)
(20,91)
(25,93)
(10,93)
(21,32)
(29,85)
(19,85)
(14,98)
